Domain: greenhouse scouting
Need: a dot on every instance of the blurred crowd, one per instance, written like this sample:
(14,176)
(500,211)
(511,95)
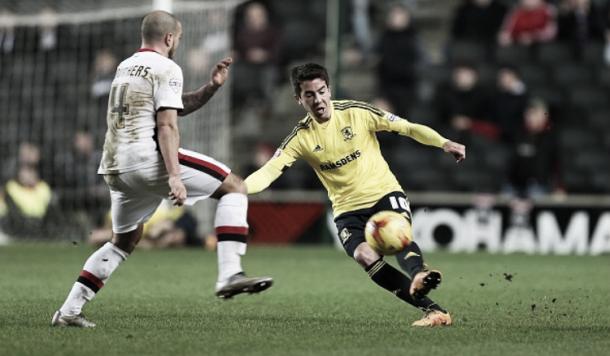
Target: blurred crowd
(520,82)
(523,83)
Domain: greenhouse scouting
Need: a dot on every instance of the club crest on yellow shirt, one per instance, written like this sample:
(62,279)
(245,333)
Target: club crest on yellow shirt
(347,132)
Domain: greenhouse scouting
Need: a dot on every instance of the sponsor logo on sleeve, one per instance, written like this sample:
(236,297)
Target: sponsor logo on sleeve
(175,85)
(391,117)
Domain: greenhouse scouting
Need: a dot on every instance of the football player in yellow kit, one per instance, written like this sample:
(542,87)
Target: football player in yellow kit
(337,139)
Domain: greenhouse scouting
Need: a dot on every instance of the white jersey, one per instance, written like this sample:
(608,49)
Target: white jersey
(143,83)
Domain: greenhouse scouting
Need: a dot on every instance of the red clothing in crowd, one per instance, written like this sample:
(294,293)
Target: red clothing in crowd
(538,24)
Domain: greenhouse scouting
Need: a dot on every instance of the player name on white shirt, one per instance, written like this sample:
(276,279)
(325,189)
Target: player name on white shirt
(143,84)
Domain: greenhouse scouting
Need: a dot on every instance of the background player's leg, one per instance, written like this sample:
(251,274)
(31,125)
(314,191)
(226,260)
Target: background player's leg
(98,268)
(201,175)
(231,226)
(389,278)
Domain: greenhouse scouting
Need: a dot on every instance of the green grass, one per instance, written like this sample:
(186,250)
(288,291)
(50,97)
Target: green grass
(162,303)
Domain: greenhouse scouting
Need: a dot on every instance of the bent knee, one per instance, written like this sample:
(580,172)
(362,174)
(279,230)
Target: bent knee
(365,255)
(234,184)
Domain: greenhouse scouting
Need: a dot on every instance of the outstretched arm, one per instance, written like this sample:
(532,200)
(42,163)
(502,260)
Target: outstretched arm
(196,99)
(457,150)
(272,170)
(426,135)
(262,178)
(385,121)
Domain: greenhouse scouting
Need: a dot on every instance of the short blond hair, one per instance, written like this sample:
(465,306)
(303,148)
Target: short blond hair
(157,24)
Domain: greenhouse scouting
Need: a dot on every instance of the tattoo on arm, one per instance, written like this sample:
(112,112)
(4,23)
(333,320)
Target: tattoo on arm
(194,100)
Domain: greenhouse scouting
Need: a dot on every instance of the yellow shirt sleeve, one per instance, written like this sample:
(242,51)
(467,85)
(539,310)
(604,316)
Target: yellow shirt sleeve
(283,158)
(421,133)
(262,178)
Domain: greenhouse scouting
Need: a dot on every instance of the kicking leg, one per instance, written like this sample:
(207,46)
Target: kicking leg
(231,229)
(389,278)
(411,260)
(394,281)
(96,271)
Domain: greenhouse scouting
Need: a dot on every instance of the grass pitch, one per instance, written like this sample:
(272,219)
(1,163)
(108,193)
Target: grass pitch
(162,303)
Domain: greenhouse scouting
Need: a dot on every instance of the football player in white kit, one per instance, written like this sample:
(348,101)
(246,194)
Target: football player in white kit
(143,164)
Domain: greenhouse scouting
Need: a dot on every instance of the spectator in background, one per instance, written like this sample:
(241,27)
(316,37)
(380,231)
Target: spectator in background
(48,29)
(509,102)
(400,55)
(170,226)
(216,41)
(256,50)
(26,200)
(104,68)
(534,164)
(464,103)
(580,22)
(362,28)
(529,22)
(82,192)
(607,35)
(213,45)
(478,21)
(28,155)
(7,31)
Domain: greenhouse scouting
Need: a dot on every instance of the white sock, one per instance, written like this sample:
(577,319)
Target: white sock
(95,273)
(229,259)
(231,228)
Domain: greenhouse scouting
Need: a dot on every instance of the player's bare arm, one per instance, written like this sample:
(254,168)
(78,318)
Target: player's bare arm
(457,150)
(169,141)
(194,100)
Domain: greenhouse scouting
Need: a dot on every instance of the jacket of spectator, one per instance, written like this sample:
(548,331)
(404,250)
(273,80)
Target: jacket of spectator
(532,21)
(478,21)
(581,21)
(400,54)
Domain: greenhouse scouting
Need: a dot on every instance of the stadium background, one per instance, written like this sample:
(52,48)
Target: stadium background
(54,73)
(57,58)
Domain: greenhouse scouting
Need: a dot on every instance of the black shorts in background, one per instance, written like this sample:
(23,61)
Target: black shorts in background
(350,225)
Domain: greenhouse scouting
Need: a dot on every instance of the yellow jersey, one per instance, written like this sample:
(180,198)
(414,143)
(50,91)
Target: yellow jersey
(344,152)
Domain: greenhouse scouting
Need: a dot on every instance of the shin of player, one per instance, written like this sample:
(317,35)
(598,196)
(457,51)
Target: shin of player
(389,277)
(231,229)
(95,273)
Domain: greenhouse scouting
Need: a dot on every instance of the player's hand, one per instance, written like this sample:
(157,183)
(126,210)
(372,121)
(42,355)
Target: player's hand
(220,72)
(177,190)
(457,150)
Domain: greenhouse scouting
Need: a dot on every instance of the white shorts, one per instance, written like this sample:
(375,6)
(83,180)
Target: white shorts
(135,195)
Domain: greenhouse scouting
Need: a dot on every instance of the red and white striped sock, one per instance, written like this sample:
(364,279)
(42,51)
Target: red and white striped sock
(95,273)
(231,229)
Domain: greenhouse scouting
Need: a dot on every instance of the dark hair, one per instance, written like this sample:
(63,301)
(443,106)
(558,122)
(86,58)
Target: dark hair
(308,71)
